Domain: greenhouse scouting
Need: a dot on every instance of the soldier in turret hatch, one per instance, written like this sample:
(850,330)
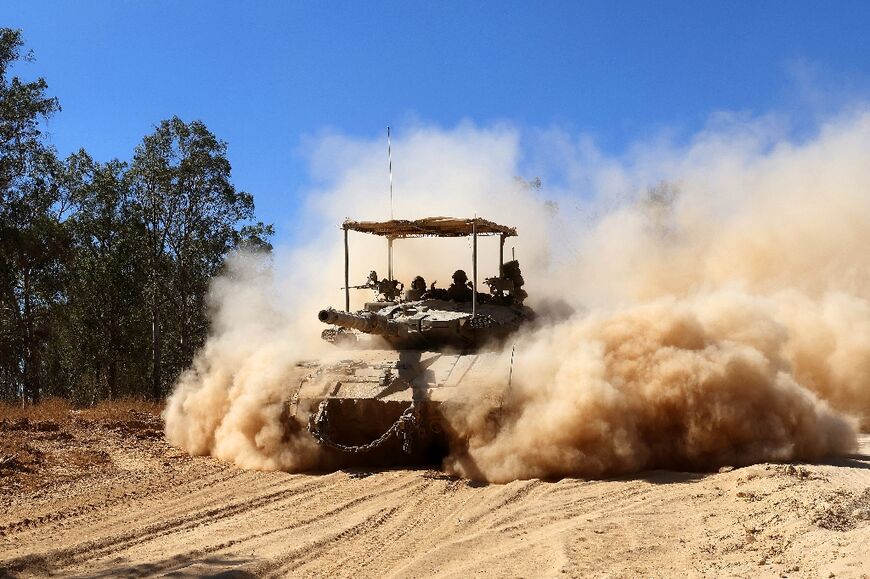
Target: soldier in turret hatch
(390,289)
(418,288)
(460,289)
(512,272)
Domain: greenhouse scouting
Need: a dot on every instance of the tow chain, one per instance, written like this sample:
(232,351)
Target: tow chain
(402,428)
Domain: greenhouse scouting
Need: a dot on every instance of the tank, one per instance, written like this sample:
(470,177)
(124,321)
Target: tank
(410,357)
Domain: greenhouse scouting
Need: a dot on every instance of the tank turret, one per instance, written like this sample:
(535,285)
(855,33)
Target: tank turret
(430,324)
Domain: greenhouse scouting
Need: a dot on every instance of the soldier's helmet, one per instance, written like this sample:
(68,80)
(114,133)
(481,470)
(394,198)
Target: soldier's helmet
(418,283)
(373,275)
(460,277)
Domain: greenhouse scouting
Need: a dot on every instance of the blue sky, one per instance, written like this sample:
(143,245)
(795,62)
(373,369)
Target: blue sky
(265,75)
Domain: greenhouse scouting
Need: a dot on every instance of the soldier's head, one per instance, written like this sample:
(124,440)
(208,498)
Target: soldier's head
(459,277)
(373,275)
(418,283)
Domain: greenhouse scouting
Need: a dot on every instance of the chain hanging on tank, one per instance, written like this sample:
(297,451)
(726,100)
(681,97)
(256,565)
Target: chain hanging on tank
(402,428)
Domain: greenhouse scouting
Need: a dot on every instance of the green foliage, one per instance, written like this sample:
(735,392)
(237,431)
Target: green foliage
(104,267)
(183,196)
(32,239)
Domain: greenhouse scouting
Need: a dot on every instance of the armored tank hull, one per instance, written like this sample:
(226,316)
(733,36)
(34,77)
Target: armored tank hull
(394,406)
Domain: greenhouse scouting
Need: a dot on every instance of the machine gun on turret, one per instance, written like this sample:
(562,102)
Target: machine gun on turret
(387,290)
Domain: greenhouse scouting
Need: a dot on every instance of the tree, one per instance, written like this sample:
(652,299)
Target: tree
(105,289)
(192,216)
(657,205)
(32,239)
(104,267)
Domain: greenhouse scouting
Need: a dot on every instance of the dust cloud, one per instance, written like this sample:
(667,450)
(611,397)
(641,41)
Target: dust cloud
(695,384)
(719,289)
(231,403)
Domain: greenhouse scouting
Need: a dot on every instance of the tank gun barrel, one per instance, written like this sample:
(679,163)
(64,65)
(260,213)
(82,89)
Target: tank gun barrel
(368,323)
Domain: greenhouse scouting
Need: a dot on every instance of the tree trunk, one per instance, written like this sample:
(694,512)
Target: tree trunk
(185,339)
(156,390)
(31,354)
(112,379)
(114,346)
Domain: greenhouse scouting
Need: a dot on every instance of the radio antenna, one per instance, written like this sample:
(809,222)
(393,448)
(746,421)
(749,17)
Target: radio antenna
(390,157)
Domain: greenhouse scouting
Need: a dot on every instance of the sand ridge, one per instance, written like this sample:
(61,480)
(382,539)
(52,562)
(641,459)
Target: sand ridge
(153,510)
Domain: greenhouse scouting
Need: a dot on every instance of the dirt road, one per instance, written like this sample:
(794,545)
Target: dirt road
(139,507)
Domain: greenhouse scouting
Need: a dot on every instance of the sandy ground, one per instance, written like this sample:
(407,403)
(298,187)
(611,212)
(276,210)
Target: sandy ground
(107,499)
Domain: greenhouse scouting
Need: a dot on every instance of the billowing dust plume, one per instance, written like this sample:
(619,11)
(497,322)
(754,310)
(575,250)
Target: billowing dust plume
(231,402)
(720,294)
(694,383)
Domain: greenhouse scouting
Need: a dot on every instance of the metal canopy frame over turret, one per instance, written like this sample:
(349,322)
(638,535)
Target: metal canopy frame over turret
(427,227)
(430,227)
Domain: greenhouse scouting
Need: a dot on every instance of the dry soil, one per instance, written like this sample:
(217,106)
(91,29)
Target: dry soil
(98,496)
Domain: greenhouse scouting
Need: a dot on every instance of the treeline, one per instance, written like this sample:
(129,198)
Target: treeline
(104,267)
